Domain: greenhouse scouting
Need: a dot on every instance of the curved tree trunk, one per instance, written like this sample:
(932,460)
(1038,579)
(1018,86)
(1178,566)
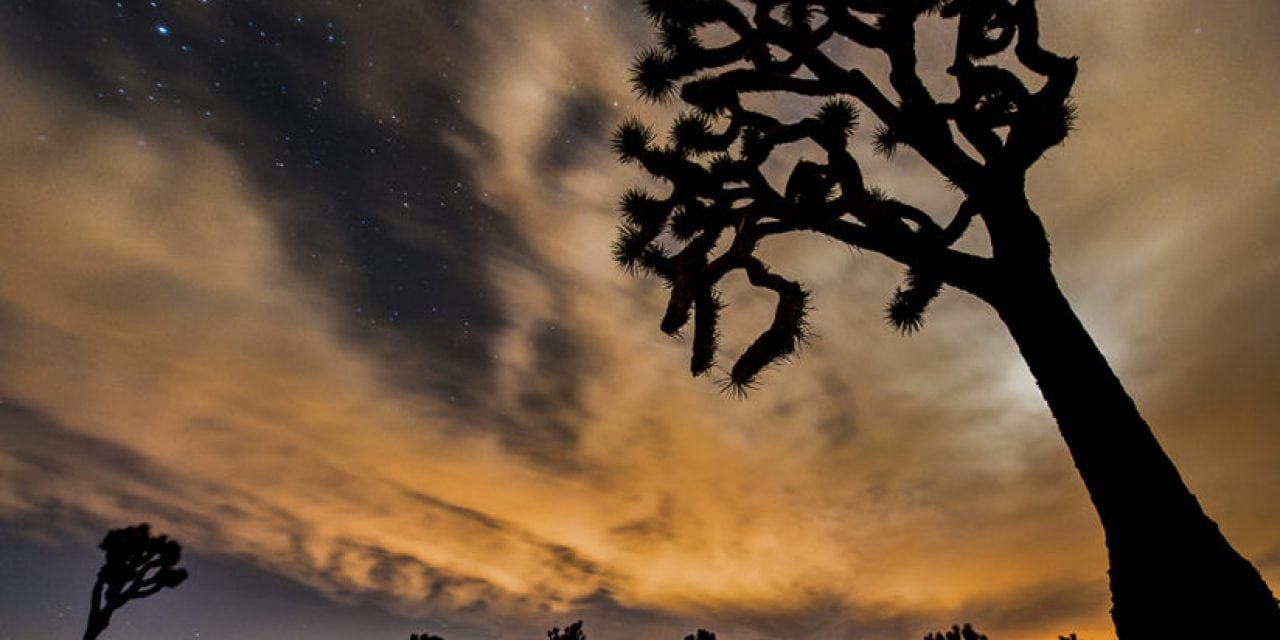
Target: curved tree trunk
(97,624)
(98,618)
(1173,574)
(94,629)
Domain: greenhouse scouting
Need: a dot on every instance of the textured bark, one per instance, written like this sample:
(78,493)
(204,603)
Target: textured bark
(1173,574)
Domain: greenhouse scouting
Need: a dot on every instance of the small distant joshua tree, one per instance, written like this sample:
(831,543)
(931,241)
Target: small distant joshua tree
(137,565)
(957,633)
(571,632)
(702,634)
(1003,114)
(424,636)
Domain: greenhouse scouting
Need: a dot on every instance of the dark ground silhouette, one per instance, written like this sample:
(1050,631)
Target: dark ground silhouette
(575,632)
(1165,554)
(967,632)
(137,565)
(957,633)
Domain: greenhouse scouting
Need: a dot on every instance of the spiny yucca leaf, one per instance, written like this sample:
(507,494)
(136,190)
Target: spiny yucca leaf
(697,217)
(838,116)
(800,13)
(691,13)
(906,309)
(722,167)
(691,131)
(885,142)
(652,75)
(721,163)
(634,248)
(655,261)
(660,11)
(631,139)
(788,331)
(1059,124)
(642,210)
(629,247)
(679,38)
(688,220)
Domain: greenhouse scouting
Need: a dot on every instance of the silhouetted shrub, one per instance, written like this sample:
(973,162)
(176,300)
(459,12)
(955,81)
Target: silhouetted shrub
(957,633)
(571,632)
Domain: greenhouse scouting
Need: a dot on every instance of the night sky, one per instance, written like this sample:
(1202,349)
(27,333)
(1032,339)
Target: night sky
(324,291)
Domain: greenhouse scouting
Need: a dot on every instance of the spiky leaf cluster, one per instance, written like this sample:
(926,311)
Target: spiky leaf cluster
(691,13)
(906,310)
(631,139)
(885,141)
(837,119)
(721,205)
(691,133)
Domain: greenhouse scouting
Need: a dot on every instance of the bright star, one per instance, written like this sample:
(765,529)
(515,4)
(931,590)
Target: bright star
(162,30)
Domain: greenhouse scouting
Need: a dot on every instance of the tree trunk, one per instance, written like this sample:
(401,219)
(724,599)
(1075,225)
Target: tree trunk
(95,627)
(1173,574)
(99,616)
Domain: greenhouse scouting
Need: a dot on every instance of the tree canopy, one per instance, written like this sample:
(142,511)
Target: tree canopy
(721,205)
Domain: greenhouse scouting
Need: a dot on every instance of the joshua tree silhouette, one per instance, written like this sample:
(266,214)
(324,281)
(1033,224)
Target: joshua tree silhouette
(137,565)
(1165,554)
(571,632)
(957,633)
